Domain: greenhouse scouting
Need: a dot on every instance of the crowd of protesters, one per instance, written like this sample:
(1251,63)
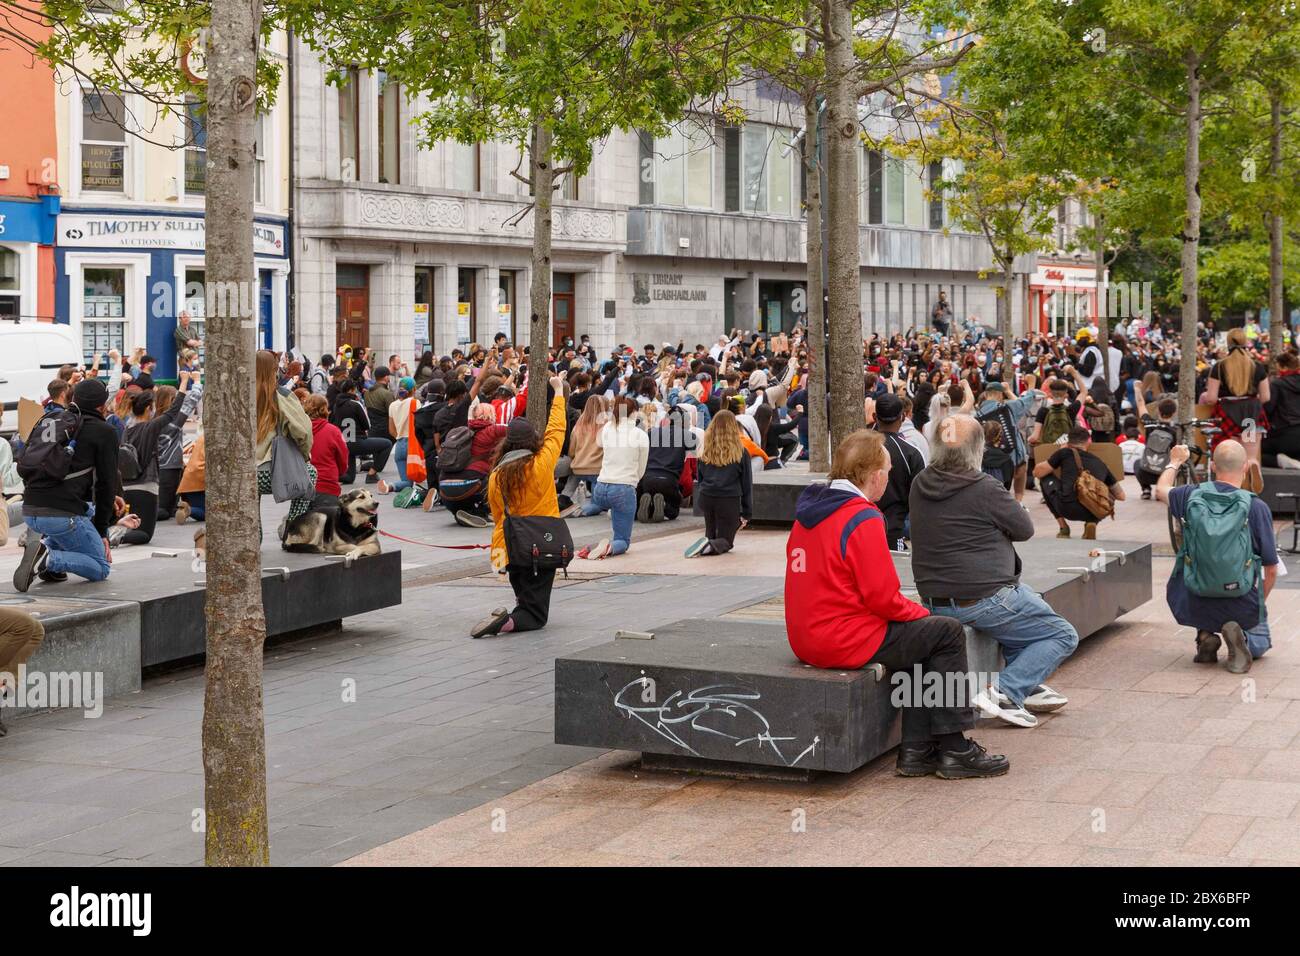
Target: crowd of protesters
(958,427)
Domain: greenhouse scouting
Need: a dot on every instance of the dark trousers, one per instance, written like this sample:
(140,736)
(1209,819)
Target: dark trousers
(380,448)
(1059,507)
(938,644)
(532,597)
(145,504)
(1284,441)
(169,480)
(1146,479)
(666,486)
(721,522)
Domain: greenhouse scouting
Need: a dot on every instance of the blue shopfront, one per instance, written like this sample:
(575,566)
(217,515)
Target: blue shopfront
(123,278)
(26,257)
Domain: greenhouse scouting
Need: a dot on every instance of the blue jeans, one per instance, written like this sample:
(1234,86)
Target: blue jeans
(198,502)
(399,456)
(1259,638)
(1034,638)
(620,502)
(75,546)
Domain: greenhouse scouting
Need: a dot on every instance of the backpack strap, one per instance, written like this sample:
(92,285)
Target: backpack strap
(863,514)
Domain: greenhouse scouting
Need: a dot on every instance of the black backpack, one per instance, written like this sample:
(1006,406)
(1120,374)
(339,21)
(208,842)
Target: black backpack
(1155,456)
(47,457)
(457,450)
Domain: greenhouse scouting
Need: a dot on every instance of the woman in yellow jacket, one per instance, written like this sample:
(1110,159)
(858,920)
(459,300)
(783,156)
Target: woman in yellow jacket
(524,474)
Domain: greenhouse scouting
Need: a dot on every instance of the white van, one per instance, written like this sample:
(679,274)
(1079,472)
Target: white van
(31,354)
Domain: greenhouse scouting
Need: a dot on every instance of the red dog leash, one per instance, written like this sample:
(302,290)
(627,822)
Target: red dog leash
(426,544)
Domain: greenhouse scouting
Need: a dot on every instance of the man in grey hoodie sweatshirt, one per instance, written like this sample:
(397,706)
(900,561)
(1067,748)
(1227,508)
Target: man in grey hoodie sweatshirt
(964,525)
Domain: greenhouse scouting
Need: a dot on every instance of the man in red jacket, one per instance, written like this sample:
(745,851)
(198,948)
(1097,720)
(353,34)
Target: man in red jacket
(843,609)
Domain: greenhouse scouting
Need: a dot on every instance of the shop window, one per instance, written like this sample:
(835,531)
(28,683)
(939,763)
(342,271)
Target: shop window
(194,303)
(11,287)
(103,312)
(103,143)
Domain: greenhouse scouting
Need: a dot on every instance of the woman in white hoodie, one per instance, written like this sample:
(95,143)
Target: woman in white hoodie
(626,449)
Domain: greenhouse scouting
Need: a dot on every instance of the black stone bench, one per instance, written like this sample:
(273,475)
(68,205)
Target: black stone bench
(149,612)
(729,696)
(1282,495)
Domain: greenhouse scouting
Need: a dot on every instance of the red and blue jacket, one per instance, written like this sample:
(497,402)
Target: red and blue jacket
(841,589)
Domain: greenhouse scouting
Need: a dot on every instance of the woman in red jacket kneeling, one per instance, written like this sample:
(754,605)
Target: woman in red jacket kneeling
(844,609)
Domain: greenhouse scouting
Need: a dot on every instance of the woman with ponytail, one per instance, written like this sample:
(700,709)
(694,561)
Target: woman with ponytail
(1238,388)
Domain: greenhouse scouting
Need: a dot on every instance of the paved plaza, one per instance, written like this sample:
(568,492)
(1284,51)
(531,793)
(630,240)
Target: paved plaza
(446,755)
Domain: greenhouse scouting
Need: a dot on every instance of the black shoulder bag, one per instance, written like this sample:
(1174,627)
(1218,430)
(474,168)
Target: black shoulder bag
(539,542)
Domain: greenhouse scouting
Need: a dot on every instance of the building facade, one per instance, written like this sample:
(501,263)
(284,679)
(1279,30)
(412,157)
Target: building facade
(678,238)
(29,185)
(130,232)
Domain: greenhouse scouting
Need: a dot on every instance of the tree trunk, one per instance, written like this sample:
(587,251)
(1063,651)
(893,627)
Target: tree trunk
(1276,318)
(1191,240)
(819,452)
(1004,304)
(1103,301)
(234,741)
(843,258)
(542,173)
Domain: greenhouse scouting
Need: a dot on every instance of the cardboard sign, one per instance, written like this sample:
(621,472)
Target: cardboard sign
(29,413)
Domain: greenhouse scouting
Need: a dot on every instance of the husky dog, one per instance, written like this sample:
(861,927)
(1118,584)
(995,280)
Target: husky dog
(348,530)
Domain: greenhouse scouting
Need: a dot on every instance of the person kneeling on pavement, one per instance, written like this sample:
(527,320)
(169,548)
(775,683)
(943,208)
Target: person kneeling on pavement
(68,517)
(964,525)
(1227,560)
(844,609)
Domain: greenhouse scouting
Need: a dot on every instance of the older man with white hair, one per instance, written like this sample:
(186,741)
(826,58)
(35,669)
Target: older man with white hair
(1227,563)
(964,528)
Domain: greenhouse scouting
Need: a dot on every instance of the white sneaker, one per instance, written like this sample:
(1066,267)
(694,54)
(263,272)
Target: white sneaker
(599,550)
(1044,700)
(1016,716)
(1286,461)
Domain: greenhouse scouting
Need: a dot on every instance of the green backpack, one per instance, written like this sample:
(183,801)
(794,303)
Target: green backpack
(1218,552)
(1056,423)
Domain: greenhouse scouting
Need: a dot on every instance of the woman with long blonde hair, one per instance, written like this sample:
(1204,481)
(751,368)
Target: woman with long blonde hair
(278,412)
(1238,388)
(585,454)
(724,484)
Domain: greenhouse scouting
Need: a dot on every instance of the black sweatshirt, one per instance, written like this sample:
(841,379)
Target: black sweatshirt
(727,481)
(96,449)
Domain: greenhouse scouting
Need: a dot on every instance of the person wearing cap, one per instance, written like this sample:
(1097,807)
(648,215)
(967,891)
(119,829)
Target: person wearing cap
(1011,414)
(68,521)
(906,463)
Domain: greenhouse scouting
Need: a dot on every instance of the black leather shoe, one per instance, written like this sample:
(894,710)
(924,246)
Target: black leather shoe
(973,762)
(917,760)
(52,577)
(1207,647)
